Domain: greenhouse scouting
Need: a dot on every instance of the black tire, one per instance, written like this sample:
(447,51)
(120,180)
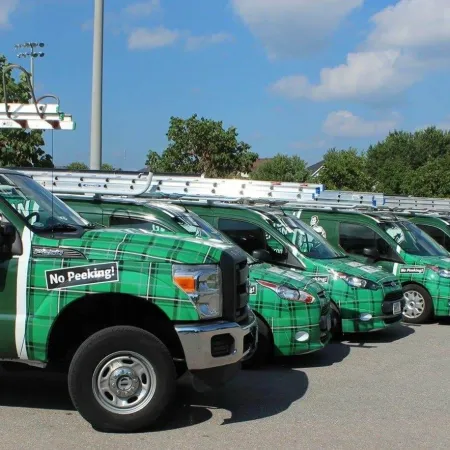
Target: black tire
(427,311)
(123,341)
(336,320)
(264,350)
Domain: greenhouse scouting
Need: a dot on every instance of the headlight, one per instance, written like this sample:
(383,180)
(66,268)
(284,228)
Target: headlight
(202,284)
(356,282)
(444,273)
(288,293)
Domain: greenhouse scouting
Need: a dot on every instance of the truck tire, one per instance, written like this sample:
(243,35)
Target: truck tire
(122,379)
(264,350)
(336,321)
(419,304)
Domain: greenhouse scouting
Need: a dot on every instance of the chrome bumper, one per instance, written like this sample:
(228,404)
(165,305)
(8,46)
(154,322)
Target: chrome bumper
(196,342)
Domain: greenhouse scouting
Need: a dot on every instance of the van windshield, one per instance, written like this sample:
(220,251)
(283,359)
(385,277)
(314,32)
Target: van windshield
(412,239)
(310,243)
(41,209)
(200,228)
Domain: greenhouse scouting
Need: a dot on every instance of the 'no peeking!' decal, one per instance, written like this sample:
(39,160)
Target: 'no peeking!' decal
(81,275)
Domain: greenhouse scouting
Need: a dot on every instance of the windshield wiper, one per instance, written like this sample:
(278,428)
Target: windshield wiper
(60,227)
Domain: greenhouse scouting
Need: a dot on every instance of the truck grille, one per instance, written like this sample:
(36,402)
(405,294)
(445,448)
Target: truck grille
(235,273)
(389,299)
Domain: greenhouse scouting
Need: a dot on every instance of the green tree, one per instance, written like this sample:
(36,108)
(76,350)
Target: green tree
(202,146)
(397,159)
(20,148)
(282,168)
(77,165)
(345,170)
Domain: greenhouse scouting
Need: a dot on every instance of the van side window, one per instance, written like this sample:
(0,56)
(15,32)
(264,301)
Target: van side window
(251,237)
(438,235)
(354,238)
(133,222)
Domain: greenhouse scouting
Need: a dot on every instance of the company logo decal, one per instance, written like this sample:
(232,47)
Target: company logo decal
(314,223)
(81,275)
(412,269)
(320,279)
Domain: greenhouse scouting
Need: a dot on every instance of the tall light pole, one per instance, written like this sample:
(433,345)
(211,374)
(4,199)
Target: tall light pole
(97,88)
(30,54)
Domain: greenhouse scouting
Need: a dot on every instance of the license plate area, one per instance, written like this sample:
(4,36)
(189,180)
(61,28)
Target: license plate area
(396,308)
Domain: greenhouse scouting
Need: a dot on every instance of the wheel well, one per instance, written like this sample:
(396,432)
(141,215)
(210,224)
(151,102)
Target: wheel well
(415,283)
(264,321)
(89,314)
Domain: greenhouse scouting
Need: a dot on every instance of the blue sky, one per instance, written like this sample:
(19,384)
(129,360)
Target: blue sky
(294,76)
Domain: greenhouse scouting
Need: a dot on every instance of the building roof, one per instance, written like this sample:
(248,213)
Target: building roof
(316,167)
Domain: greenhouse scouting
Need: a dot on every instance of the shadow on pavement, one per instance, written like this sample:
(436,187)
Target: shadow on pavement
(34,388)
(252,395)
(384,336)
(443,321)
(333,353)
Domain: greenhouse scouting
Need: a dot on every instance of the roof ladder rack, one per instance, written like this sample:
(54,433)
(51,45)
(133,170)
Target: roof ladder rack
(35,115)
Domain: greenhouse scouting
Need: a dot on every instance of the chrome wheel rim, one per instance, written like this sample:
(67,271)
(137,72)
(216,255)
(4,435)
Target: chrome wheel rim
(124,382)
(414,305)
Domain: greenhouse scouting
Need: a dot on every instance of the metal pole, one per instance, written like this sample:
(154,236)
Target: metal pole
(32,71)
(97,79)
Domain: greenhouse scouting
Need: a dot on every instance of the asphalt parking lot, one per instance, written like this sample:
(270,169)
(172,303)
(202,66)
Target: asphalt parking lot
(385,390)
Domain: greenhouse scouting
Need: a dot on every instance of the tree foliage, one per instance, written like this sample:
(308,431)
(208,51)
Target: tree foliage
(403,161)
(20,148)
(77,165)
(282,168)
(345,170)
(202,146)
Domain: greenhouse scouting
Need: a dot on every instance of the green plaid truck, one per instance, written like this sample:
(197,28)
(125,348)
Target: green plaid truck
(388,241)
(123,311)
(363,298)
(293,311)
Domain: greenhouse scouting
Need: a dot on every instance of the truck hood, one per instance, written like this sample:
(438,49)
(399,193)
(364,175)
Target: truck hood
(438,261)
(131,244)
(355,268)
(281,276)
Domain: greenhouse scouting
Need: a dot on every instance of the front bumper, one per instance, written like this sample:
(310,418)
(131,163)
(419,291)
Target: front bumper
(218,343)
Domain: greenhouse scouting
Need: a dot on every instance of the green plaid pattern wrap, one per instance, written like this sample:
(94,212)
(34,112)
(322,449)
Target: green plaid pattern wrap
(144,270)
(285,318)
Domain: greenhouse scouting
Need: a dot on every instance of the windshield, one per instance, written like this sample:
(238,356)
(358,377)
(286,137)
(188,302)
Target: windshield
(199,228)
(412,239)
(305,239)
(40,208)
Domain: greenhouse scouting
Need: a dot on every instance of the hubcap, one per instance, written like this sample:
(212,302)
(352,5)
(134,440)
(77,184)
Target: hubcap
(414,306)
(124,382)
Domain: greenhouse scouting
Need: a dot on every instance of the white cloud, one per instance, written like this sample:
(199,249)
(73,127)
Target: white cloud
(346,124)
(409,40)
(364,75)
(147,39)
(7,7)
(142,8)
(411,24)
(197,42)
(293,27)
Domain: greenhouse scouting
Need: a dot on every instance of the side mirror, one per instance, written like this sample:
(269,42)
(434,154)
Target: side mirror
(262,255)
(371,253)
(7,230)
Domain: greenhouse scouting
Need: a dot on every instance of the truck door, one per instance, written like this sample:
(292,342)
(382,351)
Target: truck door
(366,245)
(14,260)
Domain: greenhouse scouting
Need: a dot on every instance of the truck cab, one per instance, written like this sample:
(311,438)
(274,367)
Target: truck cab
(394,243)
(123,311)
(364,298)
(293,311)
